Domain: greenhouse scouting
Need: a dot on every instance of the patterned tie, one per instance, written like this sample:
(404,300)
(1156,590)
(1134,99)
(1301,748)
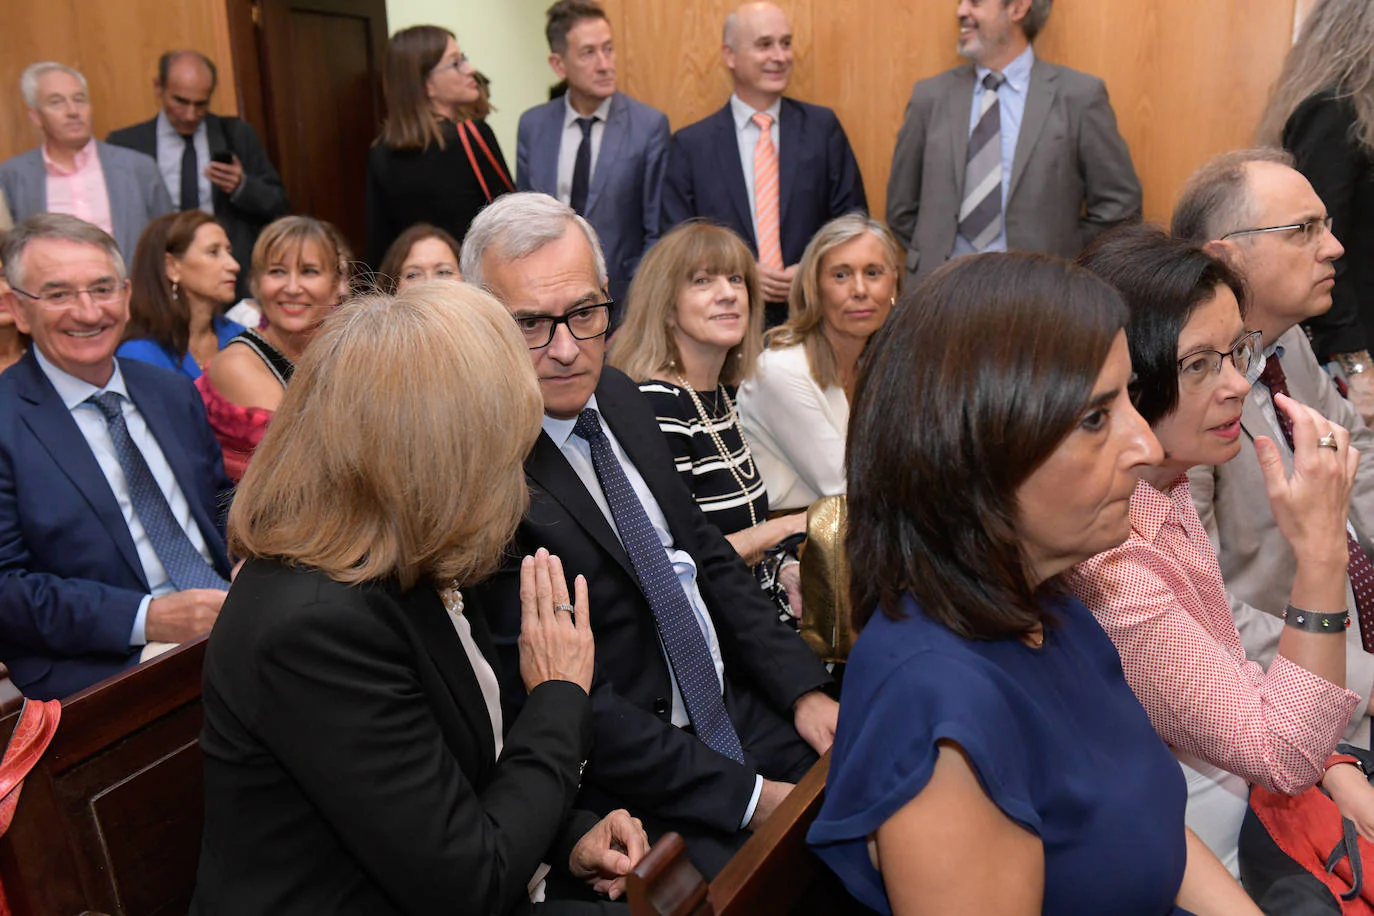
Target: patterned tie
(677,623)
(980,215)
(1360,570)
(582,168)
(184,565)
(190,176)
(766,189)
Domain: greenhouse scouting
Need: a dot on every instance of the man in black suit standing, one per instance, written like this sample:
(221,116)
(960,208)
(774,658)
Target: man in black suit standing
(706,709)
(208,162)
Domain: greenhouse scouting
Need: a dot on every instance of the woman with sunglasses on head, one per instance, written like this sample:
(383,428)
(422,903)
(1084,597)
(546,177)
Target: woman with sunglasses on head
(1160,596)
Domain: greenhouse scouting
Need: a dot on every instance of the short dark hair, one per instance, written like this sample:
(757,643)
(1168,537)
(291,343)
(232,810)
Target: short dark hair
(164,66)
(1216,198)
(564,16)
(1162,280)
(978,376)
(1036,17)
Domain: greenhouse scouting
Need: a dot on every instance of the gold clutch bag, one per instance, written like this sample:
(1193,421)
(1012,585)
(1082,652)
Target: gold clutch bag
(825,581)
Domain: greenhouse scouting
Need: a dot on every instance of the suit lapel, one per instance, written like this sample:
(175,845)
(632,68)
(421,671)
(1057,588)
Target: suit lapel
(124,209)
(1039,100)
(1253,422)
(612,141)
(731,171)
(958,114)
(446,649)
(790,130)
(546,143)
(547,467)
(218,143)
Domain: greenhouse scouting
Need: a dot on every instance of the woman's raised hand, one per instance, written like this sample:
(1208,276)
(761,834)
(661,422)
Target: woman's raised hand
(555,633)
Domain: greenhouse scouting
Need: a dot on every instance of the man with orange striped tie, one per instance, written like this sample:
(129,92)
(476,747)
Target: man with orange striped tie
(771,168)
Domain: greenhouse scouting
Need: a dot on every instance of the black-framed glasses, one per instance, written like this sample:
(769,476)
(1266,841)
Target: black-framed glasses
(1309,230)
(584,323)
(1198,371)
(63,298)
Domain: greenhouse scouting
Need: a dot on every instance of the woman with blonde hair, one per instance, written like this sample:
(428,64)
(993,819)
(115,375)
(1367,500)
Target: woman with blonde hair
(356,757)
(795,406)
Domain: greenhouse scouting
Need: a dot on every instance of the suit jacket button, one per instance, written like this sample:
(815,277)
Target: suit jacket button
(660,707)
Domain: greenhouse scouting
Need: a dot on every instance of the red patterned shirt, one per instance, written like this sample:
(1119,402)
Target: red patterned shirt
(1161,599)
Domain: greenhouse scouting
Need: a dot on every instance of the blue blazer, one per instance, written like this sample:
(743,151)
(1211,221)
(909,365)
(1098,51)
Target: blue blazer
(818,176)
(70,578)
(623,201)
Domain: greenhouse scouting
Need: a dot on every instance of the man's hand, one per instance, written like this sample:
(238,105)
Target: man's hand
(774,283)
(1353,794)
(607,852)
(226,177)
(182,615)
(770,796)
(816,716)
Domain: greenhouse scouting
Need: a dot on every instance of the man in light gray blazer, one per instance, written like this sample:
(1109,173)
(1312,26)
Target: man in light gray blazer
(116,189)
(595,149)
(1259,214)
(1007,152)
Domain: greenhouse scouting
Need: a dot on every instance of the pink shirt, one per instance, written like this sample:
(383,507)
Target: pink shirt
(1161,599)
(80,192)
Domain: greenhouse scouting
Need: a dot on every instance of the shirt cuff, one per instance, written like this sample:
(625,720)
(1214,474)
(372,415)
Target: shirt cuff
(137,636)
(753,802)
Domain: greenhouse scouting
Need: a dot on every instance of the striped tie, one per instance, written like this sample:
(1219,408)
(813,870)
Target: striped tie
(980,216)
(766,205)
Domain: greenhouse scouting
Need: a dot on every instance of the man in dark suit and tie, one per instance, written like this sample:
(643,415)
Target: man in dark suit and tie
(706,709)
(596,149)
(208,162)
(1008,152)
(111,483)
(771,168)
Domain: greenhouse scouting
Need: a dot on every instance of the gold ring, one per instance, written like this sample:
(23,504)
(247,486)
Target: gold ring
(1329,441)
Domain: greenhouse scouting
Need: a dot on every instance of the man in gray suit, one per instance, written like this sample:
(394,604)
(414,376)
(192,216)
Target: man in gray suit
(595,149)
(1007,152)
(1259,214)
(116,189)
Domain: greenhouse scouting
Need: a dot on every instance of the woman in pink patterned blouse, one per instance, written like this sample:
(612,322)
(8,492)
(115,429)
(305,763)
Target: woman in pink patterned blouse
(1160,596)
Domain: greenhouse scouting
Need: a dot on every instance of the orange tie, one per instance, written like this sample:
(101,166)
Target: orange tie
(766,205)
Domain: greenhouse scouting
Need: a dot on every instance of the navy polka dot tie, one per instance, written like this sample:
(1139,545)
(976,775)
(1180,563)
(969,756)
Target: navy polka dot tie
(1360,570)
(184,565)
(677,624)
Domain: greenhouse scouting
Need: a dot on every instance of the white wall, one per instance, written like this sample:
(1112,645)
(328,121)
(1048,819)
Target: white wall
(504,39)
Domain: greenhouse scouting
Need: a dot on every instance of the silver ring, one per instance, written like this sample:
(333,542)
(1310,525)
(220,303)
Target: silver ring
(1329,441)
(565,607)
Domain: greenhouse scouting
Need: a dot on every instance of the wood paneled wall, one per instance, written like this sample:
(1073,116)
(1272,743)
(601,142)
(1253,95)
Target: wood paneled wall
(1187,78)
(115,43)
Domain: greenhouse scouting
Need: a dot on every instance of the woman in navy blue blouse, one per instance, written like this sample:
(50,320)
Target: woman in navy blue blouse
(990,757)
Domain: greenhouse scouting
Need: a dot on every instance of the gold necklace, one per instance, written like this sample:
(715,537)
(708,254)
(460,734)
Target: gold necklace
(733,417)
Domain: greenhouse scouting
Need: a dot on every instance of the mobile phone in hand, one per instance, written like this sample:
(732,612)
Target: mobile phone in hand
(223,157)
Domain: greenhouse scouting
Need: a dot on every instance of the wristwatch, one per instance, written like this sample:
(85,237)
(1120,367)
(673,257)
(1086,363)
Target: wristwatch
(1354,362)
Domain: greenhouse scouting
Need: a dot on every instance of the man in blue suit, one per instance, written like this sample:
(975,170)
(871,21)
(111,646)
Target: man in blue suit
(796,177)
(111,482)
(595,149)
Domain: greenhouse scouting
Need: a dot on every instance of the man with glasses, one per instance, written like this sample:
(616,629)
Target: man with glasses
(1254,210)
(706,709)
(111,483)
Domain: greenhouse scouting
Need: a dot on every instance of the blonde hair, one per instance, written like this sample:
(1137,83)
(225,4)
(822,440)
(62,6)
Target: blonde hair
(644,347)
(399,445)
(292,232)
(804,309)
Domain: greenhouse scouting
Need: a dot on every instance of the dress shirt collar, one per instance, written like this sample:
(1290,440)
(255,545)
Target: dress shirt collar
(560,431)
(571,114)
(72,390)
(1152,509)
(1017,72)
(167,133)
(82,159)
(744,114)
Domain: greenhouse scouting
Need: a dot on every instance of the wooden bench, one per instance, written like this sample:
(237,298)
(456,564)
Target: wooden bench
(109,820)
(773,874)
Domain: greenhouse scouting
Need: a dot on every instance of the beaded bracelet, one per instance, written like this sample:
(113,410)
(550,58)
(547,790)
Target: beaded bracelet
(1312,622)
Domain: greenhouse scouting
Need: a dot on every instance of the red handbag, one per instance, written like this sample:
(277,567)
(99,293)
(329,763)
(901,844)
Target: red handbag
(31,737)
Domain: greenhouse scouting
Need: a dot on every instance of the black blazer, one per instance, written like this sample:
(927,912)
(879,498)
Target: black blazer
(349,763)
(261,197)
(1320,134)
(639,759)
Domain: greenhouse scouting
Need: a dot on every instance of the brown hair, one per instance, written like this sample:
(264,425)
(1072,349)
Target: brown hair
(564,16)
(969,387)
(389,274)
(1216,198)
(644,347)
(153,311)
(398,448)
(410,56)
(292,232)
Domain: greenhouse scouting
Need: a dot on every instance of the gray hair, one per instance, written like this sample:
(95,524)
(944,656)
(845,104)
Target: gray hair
(515,226)
(731,32)
(56,226)
(1036,17)
(1216,200)
(28,82)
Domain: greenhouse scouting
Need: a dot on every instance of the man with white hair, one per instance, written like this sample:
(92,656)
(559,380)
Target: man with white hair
(706,709)
(113,188)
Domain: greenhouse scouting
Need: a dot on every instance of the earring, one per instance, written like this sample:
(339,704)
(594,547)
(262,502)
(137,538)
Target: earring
(175,286)
(892,301)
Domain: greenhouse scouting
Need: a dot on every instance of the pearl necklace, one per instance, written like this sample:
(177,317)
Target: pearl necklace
(740,475)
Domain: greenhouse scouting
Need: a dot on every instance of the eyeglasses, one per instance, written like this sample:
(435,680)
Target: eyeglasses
(458,64)
(61,299)
(1309,229)
(1198,371)
(585,323)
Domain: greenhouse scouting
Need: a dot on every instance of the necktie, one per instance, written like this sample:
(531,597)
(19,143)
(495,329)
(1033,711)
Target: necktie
(1360,570)
(677,624)
(190,175)
(184,565)
(582,167)
(766,204)
(980,215)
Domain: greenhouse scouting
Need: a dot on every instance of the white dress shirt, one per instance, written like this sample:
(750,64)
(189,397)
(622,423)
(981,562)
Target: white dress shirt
(572,139)
(748,133)
(170,147)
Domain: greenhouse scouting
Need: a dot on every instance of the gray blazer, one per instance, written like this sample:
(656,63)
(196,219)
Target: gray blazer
(132,181)
(1256,561)
(623,200)
(1071,177)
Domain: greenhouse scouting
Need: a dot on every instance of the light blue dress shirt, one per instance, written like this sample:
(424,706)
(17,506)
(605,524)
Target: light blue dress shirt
(170,147)
(748,133)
